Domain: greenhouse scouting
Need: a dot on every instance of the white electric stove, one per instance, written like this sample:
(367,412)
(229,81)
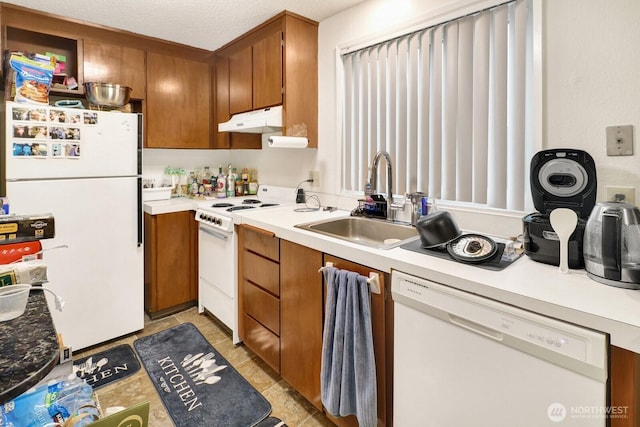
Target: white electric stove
(217,249)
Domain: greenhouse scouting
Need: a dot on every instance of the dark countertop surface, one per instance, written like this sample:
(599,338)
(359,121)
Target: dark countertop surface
(28,348)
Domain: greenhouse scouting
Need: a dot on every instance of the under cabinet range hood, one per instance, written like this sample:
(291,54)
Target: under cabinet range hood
(267,120)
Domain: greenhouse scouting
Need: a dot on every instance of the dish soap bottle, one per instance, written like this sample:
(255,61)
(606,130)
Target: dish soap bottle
(368,191)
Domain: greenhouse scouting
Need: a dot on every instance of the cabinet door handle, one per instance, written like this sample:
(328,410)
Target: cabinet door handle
(258,230)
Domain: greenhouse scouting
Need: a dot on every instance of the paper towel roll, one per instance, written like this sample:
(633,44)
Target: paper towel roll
(287,142)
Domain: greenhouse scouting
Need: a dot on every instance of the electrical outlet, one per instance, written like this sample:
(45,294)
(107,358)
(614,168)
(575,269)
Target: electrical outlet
(315,176)
(621,194)
(620,140)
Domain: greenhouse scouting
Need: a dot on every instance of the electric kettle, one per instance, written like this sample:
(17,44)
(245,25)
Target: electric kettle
(611,246)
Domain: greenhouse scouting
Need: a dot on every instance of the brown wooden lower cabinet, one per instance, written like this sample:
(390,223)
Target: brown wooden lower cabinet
(259,293)
(290,340)
(301,308)
(382,328)
(170,262)
(625,387)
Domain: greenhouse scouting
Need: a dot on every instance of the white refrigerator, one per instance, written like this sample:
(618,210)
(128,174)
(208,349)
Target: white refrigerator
(84,167)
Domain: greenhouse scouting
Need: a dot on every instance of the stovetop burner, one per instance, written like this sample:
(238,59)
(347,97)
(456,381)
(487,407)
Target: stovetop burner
(251,201)
(266,205)
(221,205)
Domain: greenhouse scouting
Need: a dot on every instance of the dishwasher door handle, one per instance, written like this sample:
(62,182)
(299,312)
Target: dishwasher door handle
(475,327)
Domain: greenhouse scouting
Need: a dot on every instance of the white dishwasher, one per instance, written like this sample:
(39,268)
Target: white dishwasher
(464,360)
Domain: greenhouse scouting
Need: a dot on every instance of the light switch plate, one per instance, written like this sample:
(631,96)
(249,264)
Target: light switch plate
(621,194)
(620,140)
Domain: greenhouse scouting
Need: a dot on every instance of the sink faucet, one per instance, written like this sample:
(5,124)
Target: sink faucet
(391,207)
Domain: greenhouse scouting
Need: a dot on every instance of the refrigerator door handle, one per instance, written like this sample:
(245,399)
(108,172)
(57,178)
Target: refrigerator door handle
(139,181)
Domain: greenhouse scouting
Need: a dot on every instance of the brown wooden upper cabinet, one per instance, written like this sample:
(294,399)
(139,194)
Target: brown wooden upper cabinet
(276,63)
(111,63)
(178,107)
(255,75)
(240,81)
(221,111)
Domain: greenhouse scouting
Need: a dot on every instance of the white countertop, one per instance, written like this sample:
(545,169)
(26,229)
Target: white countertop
(178,204)
(537,287)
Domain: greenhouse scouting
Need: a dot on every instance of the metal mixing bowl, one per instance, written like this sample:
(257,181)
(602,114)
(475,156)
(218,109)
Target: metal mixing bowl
(107,94)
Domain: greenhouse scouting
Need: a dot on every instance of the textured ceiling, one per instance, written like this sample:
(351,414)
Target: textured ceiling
(207,24)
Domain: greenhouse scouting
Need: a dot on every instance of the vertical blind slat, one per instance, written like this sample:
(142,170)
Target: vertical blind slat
(402,116)
(435,116)
(498,111)
(481,107)
(348,124)
(373,112)
(361,99)
(423,112)
(451,104)
(464,128)
(515,195)
(383,98)
(450,107)
(411,147)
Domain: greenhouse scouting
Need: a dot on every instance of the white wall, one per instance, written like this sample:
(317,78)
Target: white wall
(591,70)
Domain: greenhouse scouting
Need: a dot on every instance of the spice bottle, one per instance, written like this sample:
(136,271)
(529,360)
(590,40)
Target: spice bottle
(239,188)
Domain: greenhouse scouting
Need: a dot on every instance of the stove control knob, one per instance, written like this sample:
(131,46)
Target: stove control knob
(218,221)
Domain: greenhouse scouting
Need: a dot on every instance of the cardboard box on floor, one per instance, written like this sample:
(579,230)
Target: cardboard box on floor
(134,416)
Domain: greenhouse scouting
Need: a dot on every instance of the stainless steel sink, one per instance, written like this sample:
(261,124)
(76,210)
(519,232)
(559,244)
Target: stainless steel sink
(376,233)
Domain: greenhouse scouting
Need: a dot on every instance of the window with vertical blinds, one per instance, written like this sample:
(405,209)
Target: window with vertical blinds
(452,105)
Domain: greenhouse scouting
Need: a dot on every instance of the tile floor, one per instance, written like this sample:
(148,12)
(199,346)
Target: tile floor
(286,403)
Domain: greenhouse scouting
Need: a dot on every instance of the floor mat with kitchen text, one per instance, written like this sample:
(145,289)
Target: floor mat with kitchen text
(107,366)
(196,384)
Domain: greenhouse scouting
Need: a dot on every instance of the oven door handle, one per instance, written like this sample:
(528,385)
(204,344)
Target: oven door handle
(223,236)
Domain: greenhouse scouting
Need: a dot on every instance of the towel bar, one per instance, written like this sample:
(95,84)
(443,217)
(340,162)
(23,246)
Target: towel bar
(373,280)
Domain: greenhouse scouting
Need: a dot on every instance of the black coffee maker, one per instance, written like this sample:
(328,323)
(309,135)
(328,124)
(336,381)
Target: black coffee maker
(559,178)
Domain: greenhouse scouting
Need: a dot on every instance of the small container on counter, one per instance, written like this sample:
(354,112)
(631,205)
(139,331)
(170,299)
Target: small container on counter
(424,206)
(5,206)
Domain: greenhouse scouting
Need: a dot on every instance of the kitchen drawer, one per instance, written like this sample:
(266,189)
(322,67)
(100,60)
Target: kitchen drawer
(262,306)
(262,342)
(262,242)
(262,272)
